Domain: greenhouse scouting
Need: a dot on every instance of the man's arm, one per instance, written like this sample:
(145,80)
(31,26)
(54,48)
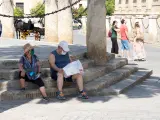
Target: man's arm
(72,58)
(52,63)
(126,32)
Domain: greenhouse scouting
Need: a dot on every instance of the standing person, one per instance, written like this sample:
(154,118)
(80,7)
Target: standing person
(37,35)
(125,40)
(114,31)
(29,68)
(0,28)
(138,44)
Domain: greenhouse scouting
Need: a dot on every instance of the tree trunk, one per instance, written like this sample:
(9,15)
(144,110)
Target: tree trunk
(7,23)
(51,21)
(65,30)
(96,31)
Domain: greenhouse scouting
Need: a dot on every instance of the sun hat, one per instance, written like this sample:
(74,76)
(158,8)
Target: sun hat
(27,47)
(64,46)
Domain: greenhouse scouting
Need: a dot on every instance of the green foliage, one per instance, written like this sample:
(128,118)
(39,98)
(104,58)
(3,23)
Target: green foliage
(110,6)
(38,10)
(18,12)
(79,12)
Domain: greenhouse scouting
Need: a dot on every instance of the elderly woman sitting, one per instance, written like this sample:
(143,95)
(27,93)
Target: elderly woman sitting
(30,70)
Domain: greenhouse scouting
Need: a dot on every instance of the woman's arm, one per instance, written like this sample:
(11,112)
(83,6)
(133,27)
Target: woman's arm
(20,65)
(39,67)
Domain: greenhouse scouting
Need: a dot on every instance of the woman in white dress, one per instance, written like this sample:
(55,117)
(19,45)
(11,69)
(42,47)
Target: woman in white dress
(138,44)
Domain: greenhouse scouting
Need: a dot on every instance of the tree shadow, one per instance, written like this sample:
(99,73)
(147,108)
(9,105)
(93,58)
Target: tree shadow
(42,51)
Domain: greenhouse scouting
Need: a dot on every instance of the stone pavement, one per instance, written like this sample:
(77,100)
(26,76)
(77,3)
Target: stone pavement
(140,103)
(12,49)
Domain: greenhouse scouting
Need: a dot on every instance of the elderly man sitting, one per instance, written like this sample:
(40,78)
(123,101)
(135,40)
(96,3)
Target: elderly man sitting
(58,59)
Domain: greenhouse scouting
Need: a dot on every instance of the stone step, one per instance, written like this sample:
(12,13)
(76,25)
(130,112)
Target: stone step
(91,87)
(127,83)
(7,74)
(13,64)
(89,75)
(110,78)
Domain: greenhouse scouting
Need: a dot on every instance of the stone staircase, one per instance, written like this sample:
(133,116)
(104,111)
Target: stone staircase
(114,78)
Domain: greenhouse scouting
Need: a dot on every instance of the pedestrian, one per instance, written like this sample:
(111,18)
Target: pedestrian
(37,35)
(138,44)
(0,28)
(114,31)
(125,42)
(29,70)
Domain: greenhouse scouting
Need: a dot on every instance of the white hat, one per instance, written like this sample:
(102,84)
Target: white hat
(64,46)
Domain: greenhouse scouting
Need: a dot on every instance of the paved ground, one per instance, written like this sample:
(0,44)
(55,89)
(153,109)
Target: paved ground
(140,103)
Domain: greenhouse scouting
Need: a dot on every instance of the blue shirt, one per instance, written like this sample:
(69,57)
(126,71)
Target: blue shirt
(60,60)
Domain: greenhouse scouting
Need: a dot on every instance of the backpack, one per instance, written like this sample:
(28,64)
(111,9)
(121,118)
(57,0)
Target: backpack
(110,33)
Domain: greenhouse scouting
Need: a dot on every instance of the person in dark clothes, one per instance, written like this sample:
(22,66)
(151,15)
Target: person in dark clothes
(114,31)
(0,28)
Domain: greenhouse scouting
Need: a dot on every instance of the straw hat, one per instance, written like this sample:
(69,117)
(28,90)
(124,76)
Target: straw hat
(27,47)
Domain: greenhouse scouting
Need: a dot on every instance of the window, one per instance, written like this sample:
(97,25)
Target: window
(120,1)
(134,1)
(20,5)
(126,1)
(80,5)
(143,1)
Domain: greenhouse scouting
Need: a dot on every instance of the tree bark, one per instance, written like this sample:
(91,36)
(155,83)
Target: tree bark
(51,21)
(96,31)
(7,23)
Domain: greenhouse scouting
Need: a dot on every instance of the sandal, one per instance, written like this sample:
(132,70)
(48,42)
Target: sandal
(60,95)
(83,95)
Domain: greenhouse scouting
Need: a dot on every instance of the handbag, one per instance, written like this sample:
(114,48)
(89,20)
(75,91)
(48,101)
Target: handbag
(110,33)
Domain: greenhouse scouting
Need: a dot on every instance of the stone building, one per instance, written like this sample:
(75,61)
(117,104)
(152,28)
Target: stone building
(146,12)
(26,5)
(81,3)
(137,7)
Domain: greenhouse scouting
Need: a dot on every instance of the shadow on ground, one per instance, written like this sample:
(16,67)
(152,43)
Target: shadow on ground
(42,51)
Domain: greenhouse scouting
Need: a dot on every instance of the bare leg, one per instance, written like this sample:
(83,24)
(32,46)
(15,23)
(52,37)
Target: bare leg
(128,54)
(43,91)
(79,80)
(122,53)
(60,82)
(22,83)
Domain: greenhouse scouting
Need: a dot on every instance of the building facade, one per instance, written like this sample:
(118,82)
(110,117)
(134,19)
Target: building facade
(137,7)
(81,3)
(26,5)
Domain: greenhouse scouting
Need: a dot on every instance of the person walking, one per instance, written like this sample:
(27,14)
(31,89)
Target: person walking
(138,44)
(125,40)
(0,28)
(114,31)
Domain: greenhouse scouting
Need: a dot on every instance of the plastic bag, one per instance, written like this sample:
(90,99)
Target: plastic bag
(73,68)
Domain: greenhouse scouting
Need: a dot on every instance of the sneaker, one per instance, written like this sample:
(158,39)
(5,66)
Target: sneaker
(22,89)
(83,95)
(45,99)
(60,96)
(136,60)
(143,59)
